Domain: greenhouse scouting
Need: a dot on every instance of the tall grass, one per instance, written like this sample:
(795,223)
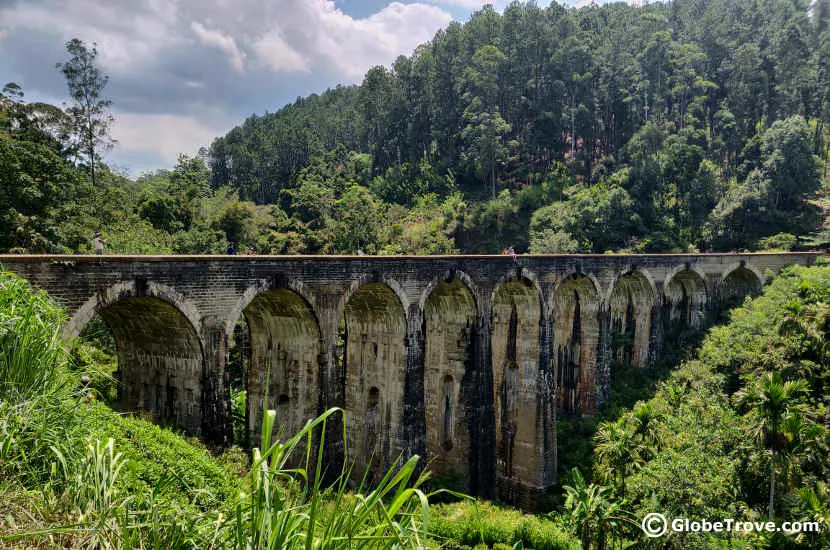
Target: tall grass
(36,418)
(289,508)
(31,357)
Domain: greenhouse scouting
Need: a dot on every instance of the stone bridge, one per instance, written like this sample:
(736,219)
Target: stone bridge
(462,359)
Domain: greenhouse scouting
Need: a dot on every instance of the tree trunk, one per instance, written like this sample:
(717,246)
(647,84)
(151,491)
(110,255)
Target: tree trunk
(771,486)
(493,180)
(91,146)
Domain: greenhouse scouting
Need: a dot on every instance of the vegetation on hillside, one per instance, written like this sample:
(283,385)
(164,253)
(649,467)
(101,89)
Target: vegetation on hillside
(671,127)
(743,430)
(661,128)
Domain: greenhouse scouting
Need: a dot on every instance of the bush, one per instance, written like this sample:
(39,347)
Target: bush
(471,523)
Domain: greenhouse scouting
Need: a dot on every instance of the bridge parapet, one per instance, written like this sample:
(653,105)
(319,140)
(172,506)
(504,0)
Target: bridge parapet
(462,359)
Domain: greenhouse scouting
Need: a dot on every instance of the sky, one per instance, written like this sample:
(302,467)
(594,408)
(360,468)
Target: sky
(183,72)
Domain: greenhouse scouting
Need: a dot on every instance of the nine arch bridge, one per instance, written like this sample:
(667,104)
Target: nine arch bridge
(462,359)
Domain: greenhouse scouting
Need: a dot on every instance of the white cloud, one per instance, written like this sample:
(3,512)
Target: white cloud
(469,4)
(162,136)
(354,45)
(161,57)
(274,53)
(224,42)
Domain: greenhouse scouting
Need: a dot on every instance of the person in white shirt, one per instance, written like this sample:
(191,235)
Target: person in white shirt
(98,243)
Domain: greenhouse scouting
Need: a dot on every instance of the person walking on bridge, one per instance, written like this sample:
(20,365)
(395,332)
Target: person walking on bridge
(98,243)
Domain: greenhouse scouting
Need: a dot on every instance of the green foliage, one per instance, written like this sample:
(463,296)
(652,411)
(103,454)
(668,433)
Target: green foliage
(89,113)
(590,513)
(710,135)
(591,219)
(29,339)
(780,241)
(741,431)
(471,522)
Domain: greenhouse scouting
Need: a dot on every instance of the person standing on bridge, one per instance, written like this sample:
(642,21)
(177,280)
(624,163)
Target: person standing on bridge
(231,250)
(98,243)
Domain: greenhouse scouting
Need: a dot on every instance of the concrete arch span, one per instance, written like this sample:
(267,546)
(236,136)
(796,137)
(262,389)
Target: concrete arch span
(374,367)
(685,299)
(739,283)
(449,330)
(515,353)
(631,302)
(160,361)
(283,365)
(576,328)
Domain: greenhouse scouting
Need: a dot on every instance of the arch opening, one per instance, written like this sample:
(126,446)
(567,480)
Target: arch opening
(95,354)
(160,362)
(449,317)
(284,343)
(515,348)
(576,340)
(373,334)
(739,284)
(631,303)
(685,300)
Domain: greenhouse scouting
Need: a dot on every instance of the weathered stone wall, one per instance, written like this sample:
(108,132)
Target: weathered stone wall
(462,359)
(374,370)
(632,301)
(159,361)
(517,318)
(686,300)
(576,322)
(284,340)
(449,316)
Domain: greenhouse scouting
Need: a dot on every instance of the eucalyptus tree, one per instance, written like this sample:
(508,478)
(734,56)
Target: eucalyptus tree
(90,112)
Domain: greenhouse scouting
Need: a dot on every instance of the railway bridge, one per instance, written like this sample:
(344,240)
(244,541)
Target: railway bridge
(465,360)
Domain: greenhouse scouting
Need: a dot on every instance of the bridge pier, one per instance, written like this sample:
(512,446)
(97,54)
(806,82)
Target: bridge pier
(482,426)
(414,425)
(216,427)
(465,361)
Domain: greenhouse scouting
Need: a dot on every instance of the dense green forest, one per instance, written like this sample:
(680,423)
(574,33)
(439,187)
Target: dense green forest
(678,126)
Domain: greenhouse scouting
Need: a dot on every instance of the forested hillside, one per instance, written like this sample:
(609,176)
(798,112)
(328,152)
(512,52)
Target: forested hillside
(680,126)
(677,125)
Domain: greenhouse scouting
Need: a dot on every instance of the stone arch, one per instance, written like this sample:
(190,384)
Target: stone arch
(161,360)
(371,279)
(374,356)
(112,294)
(449,330)
(740,282)
(515,340)
(576,304)
(527,277)
(448,276)
(632,298)
(254,291)
(685,299)
(284,336)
